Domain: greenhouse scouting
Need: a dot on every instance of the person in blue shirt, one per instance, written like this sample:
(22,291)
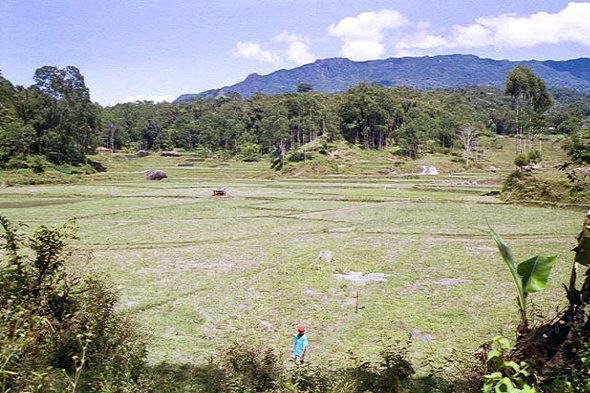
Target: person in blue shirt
(300,346)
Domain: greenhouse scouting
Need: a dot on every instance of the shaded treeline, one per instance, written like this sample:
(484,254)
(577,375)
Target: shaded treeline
(373,117)
(55,118)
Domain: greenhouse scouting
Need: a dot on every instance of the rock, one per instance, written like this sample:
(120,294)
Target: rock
(266,326)
(447,282)
(429,170)
(170,154)
(530,168)
(103,150)
(424,337)
(155,174)
(361,278)
(142,153)
(493,169)
(325,256)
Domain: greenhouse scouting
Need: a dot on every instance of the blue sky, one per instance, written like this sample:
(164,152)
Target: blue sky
(156,49)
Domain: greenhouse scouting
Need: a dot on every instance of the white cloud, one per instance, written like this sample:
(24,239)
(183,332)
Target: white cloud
(368,26)
(472,36)
(362,50)
(154,98)
(298,49)
(289,38)
(423,25)
(363,34)
(572,24)
(299,53)
(253,51)
(423,40)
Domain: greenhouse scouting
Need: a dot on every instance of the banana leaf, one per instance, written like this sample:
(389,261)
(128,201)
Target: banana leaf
(534,273)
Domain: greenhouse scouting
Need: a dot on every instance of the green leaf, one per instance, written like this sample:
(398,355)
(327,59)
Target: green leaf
(504,343)
(494,353)
(514,365)
(583,249)
(534,273)
(504,386)
(516,278)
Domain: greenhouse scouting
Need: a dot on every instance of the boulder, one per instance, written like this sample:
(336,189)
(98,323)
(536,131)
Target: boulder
(429,170)
(170,154)
(155,174)
(142,153)
(325,256)
(266,326)
(103,150)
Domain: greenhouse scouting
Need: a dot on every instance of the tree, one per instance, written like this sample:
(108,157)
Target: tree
(468,136)
(531,96)
(304,88)
(413,133)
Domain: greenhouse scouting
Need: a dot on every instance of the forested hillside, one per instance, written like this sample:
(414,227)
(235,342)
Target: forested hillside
(55,120)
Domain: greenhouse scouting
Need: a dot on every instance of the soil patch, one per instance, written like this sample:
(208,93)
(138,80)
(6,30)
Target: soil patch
(361,278)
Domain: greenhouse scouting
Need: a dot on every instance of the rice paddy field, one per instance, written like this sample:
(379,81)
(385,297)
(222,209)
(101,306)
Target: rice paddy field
(198,271)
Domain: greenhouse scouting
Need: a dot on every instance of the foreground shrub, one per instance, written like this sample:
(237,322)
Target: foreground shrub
(255,369)
(553,356)
(58,331)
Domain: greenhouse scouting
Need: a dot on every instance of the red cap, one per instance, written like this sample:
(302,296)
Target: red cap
(301,329)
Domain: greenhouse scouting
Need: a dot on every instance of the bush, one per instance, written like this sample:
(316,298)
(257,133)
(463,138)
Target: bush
(69,169)
(580,153)
(17,163)
(521,160)
(38,163)
(58,330)
(250,368)
(250,152)
(535,156)
(298,156)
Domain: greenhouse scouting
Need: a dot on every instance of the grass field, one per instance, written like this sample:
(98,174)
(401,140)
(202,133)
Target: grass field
(199,271)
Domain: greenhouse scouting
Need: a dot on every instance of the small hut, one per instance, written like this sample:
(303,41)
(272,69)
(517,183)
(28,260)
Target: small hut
(219,191)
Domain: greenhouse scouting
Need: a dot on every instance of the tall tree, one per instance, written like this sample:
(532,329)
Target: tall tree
(531,96)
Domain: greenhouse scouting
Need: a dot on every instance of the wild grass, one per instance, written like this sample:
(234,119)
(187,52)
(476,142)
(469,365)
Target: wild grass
(199,271)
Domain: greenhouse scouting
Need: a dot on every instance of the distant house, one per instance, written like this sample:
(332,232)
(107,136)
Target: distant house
(103,150)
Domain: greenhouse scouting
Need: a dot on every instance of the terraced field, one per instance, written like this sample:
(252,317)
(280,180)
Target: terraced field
(199,271)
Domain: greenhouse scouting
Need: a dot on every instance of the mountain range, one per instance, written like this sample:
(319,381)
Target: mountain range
(430,72)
